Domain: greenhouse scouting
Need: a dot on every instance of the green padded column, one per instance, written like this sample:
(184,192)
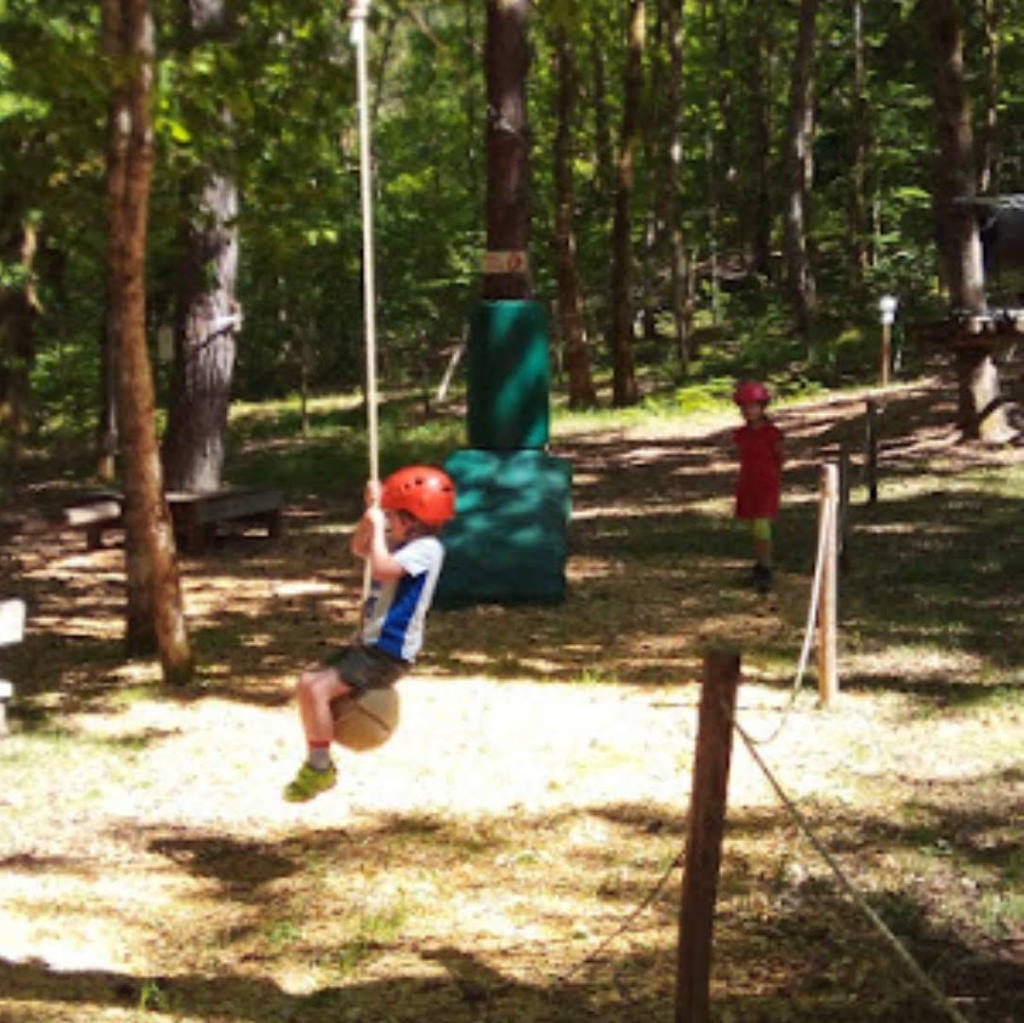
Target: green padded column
(508,543)
(509,376)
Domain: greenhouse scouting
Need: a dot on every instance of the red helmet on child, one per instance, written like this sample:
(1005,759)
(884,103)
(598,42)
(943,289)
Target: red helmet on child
(421,490)
(751,392)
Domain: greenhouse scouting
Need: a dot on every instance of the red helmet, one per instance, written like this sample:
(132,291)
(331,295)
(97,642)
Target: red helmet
(751,392)
(421,490)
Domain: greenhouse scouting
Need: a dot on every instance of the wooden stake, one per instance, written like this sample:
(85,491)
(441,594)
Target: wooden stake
(844,507)
(886,353)
(704,841)
(828,683)
(871,445)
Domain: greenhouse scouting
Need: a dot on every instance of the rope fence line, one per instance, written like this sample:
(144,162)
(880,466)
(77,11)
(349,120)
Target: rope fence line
(859,901)
(824,524)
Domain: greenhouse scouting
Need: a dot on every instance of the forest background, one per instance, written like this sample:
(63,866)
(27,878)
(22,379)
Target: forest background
(262,98)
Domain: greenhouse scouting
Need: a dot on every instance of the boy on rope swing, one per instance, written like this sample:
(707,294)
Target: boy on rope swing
(397,537)
(759,486)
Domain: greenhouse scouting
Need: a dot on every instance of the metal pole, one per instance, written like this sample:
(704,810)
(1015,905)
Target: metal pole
(358,11)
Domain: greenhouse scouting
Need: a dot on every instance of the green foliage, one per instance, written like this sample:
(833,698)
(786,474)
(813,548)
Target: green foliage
(273,101)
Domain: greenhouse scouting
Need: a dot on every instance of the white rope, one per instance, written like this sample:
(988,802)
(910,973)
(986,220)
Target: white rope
(358,11)
(862,904)
(824,525)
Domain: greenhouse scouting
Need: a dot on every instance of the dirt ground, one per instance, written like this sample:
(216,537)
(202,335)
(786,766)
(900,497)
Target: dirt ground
(508,854)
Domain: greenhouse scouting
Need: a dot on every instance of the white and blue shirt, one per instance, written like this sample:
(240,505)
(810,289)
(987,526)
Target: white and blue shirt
(397,609)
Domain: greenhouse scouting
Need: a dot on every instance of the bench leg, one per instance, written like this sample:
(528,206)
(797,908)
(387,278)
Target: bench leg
(93,538)
(275,524)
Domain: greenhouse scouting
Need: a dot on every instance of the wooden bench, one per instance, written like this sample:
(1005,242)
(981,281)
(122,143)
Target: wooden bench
(12,628)
(195,516)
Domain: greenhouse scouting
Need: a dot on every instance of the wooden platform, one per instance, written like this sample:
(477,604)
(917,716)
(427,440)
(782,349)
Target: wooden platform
(196,516)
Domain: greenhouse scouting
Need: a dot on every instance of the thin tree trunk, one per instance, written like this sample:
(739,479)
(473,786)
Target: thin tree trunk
(981,414)
(19,309)
(760,72)
(604,156)
(988,172)
(624,386)
(155,616)
(207,312)
(858,191)
(800,172)
(570,313)
(506,60)
(673,14)
(712,164)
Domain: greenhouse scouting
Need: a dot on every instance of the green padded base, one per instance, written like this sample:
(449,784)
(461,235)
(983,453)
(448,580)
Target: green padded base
(509,541)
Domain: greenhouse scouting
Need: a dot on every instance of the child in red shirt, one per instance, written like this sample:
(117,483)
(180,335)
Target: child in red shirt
(759,486)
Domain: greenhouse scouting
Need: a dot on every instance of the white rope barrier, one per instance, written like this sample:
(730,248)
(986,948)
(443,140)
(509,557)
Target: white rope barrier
(824,525)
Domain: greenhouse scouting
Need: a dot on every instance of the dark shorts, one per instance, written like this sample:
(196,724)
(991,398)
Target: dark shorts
(366,667)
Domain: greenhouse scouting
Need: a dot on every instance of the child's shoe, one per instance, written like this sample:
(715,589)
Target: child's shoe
(309,783)
(763,578)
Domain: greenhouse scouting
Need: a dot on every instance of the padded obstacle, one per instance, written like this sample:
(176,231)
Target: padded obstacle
(508,543)
(508,376)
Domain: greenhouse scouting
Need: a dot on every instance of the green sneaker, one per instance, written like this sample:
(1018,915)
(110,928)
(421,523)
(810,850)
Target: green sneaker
(309,783)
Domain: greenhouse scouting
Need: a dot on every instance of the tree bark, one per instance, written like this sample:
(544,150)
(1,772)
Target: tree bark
(155,616)
(207,314)
(570,312)
(624,386)
(506,61)
(800,171)
(981,414)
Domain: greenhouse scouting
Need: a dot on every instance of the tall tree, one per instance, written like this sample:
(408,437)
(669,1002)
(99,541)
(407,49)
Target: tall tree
(506,60)
(760,75)
(981,412)
(624,386)
(988,171)
(155,617)
(570,313)
(672,14)
(800,171)
(208,315)
(19,309)
(858,183)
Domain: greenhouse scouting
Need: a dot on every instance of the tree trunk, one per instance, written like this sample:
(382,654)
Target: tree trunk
(981,414)
(624,387)
(858,186)
(712,163)
(570,313)
(672,14)
(761,72)
(988,172)
(207,314)
(506,61)
(800,171)
(19,309)
(155,615)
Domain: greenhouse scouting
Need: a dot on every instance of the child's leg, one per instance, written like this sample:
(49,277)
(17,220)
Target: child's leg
(316,689)
(762,529)
(314,692)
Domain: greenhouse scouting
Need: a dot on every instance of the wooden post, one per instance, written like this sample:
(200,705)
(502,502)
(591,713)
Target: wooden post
(871,450)
(886,352)
(704,840)
(844,507)
(828,683)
